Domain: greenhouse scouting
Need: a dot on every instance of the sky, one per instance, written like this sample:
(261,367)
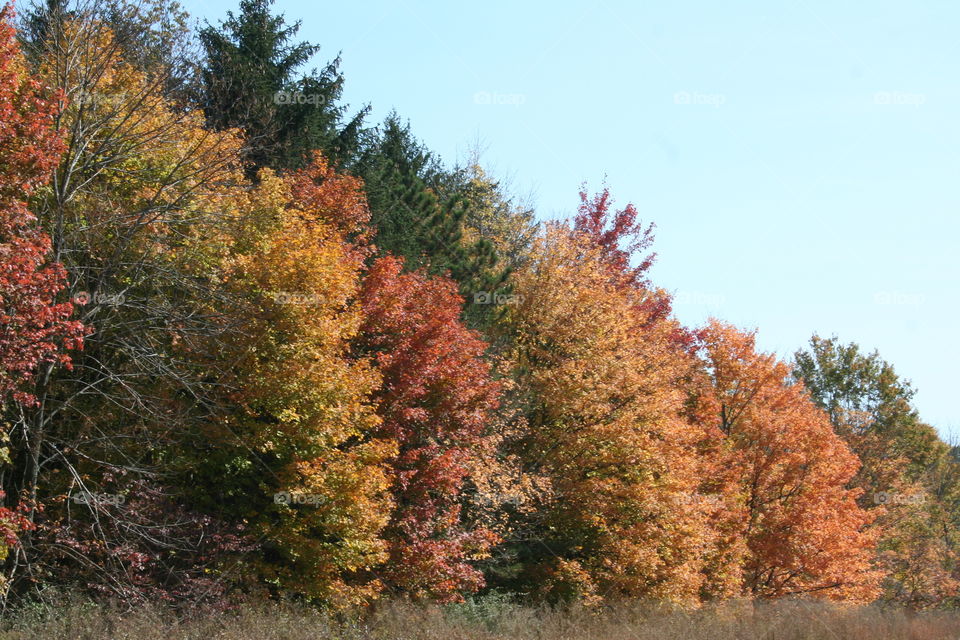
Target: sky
(799,159)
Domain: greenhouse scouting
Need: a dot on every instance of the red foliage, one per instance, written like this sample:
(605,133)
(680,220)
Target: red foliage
(620,237)
(33,326)
(13,521)
(617,234)
(435,401)
(335,198)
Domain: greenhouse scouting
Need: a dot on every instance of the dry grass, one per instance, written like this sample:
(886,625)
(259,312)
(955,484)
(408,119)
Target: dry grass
(490,618)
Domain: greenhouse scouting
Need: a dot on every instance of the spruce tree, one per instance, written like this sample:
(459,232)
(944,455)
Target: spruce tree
(417,221)
(251,80)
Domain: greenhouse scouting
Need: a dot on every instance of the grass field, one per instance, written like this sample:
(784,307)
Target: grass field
(489,619)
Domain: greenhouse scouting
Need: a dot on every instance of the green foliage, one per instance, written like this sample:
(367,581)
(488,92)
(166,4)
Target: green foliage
(844,381)
(908,473)
(415,219)
(493,214)
(251,81)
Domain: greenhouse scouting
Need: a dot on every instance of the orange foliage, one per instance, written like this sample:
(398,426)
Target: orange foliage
(604,397)
(305,401)
(788,471)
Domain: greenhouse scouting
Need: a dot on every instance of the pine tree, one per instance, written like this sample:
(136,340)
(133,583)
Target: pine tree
(250,81)
(416,222)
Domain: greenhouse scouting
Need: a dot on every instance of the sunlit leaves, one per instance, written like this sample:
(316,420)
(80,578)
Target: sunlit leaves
(34,325)
(604,404)
(803,530)
(436,401)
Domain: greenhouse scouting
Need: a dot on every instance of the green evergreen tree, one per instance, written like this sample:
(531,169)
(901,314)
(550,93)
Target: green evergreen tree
(425,224)
(251,80)
(395,167)
(494,214)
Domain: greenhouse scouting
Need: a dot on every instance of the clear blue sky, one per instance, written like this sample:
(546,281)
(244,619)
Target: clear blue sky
(800,159)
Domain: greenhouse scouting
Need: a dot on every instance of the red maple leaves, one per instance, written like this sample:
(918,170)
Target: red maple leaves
(34,327)
(435,401)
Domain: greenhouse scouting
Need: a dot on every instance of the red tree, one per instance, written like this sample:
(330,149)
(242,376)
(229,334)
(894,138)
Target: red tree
(621,239)
(618,235)
(435,402)
(33,326)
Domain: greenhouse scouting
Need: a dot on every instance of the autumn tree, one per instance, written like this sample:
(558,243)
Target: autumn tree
(907,476)
(35,328)
(619,235)
(298,453)
(603,398)
(154,35)
(131,188)
(435,402)
(623,242)
(803,530)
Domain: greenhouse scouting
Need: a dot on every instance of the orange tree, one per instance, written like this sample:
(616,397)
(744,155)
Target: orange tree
(787,476)
(600,383)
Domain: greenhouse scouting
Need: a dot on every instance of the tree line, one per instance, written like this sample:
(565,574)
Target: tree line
(251,343)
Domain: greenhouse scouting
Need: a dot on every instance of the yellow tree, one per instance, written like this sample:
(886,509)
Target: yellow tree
(602,389)
(301,402)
